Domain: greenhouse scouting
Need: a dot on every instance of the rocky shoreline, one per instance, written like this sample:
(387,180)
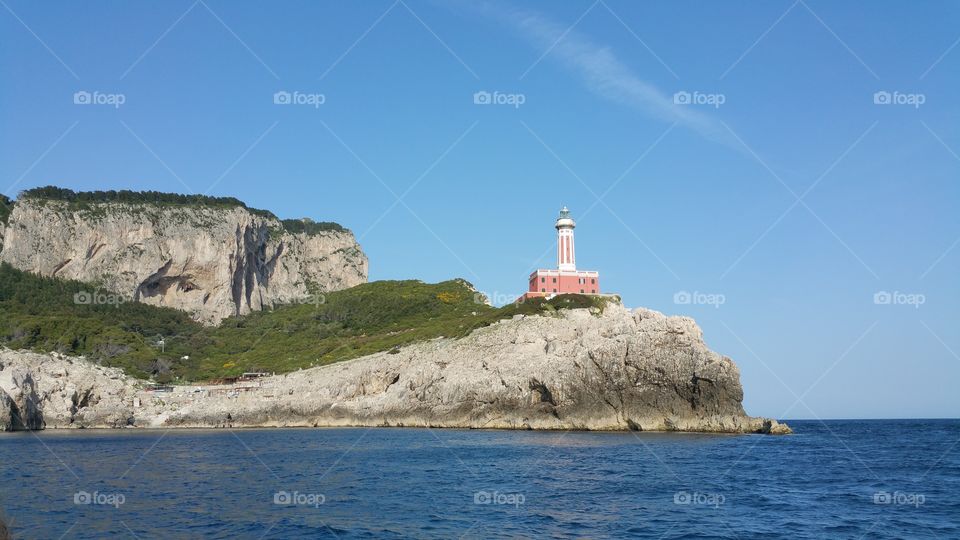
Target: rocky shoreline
(578,369)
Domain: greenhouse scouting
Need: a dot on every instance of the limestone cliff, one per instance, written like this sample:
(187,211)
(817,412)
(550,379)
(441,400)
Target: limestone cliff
(212,262)
(578,369)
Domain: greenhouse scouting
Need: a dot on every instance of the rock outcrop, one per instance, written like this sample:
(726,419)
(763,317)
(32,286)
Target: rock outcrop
(212,262)
(7,413)
(579,369)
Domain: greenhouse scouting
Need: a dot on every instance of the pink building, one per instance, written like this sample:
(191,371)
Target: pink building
(566,278)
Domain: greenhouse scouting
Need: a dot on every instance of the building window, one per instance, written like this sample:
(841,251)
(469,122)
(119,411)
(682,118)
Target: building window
(554,290)
(543,280)
(554,280)
(543,290)
(594,291)
(593,281)
(581,291)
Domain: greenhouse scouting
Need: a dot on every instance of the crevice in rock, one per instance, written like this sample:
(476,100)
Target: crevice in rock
(93,250)
(544,393)
(696,392)
(159,282)
(79,401)
(236,284)
(60,267)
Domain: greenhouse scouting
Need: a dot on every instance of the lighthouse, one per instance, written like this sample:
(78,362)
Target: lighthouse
(566,260)
(565,279)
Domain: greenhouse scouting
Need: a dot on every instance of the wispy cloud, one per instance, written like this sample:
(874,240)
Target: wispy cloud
(601,70)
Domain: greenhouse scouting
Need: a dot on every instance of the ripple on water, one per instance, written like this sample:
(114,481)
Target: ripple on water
(401,483)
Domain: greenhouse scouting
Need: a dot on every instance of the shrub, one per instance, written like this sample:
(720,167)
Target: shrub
(6,208)
(85,198)
(309,226)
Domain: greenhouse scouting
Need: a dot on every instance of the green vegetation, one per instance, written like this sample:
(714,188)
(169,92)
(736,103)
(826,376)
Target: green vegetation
(47,314)
(42,314)
(126,196)
(84,201)
(6,206)
(309,226)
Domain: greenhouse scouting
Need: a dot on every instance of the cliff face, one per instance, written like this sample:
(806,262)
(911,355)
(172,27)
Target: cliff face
(619,370)
(210,262)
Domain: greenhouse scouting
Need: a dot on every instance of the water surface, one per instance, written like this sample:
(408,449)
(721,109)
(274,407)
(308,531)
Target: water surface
(838,479)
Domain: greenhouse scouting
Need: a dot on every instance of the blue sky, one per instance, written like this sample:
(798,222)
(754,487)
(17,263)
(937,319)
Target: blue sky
(786,192)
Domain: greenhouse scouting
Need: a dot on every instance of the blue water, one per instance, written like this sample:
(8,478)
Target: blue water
(838,479)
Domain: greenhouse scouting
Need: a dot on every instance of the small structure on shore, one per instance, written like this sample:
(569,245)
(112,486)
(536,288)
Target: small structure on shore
(566,279)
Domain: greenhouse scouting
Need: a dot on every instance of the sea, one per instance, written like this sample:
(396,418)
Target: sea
(831,479)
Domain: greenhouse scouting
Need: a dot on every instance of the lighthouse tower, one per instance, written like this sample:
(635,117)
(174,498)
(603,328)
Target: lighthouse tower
(566,279)
(566,260)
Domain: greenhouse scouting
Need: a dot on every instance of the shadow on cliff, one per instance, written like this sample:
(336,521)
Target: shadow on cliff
(25,411)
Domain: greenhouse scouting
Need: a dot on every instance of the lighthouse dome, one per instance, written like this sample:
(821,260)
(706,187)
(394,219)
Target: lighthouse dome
(565,221)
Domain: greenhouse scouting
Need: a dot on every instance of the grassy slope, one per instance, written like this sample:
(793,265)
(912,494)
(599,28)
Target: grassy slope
(40,314)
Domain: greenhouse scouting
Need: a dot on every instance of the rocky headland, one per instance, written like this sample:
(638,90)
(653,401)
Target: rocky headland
(586,369)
